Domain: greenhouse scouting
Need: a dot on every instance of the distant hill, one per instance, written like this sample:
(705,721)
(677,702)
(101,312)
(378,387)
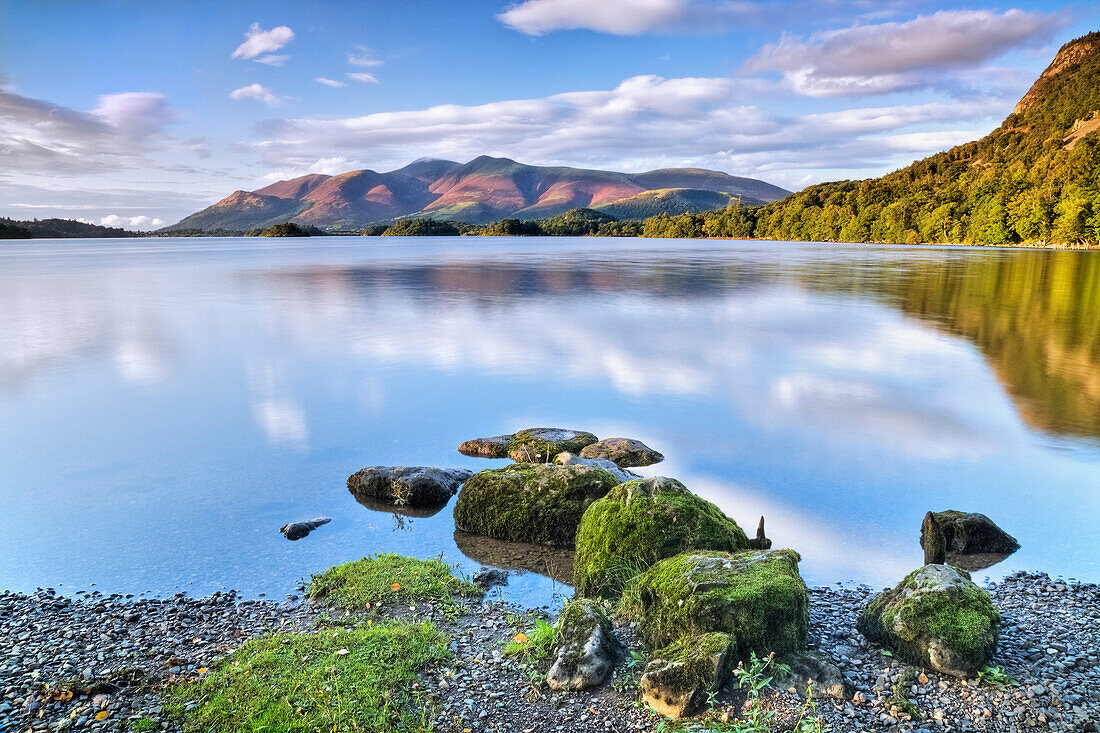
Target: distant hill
(57,229)
(1033,180)
(481,191)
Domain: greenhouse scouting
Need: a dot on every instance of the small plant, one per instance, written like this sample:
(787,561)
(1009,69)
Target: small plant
(535,644)
(808,721)
(996,677)
(142,724)
(900,699)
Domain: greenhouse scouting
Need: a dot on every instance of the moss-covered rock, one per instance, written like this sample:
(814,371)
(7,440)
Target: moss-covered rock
(586,648)
(679,677)
(540,445)
(493,447)
(757,597)
(624,452)
(572,459)
(936,617)
(641,522)
(526,502)
(947,535)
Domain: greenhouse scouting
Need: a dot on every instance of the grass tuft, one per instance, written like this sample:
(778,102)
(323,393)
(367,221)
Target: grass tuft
(389,578)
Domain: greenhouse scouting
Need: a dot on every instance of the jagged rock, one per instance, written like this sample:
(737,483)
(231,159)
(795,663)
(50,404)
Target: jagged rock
(408,485)
(949,533)
(680,676)
(756,596)
(486,578)
(572,459)
(298,530)
(760,542)
(641,522)
(587,648)
(526,502)
(623,452)
(815,670)
(494,447)
(936,617)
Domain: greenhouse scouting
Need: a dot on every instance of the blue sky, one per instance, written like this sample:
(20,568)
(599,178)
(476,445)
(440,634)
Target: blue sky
(136,113)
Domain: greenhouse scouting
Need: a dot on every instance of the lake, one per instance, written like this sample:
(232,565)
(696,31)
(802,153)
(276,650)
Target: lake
(167,404)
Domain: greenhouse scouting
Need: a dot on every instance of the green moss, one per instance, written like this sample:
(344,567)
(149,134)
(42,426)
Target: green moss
(524,502)
(534,644)
(756,596)
(361,679)
(643,521)
(961,616)
(691,661)
(387,578)
(532,446)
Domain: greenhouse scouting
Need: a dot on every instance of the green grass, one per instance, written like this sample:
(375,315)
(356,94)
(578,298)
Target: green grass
(536,644)
(362,679)
(142,724)
(389,578)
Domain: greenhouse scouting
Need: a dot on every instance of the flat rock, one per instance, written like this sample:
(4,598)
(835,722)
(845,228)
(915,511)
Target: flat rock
(494,447)
(539,445)
(572,459)
(408,485)
(623,452)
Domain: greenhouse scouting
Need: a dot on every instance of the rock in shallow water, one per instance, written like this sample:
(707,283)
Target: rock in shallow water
(936,617)
(532,445)
(953,532)
(623,452)
(572,459)
(408,485)
(298,530)
(587,650)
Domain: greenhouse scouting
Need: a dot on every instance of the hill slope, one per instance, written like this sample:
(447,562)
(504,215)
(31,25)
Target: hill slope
(483,190)
(1035,179)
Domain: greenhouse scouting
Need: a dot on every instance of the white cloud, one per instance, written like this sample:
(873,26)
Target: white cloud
(272,59)
(363,77)
(137,223)
(625,17)
(645,122)
(137,114)
(256,92)
(259,42)
(330,82)
(889,57)
(365,57)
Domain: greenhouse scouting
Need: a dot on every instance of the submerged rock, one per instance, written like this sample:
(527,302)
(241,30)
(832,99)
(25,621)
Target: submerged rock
(640,522)
(949,533)
(587,648)
(524,502)
(756,596)
(572,459)
(408,485)
(298,530)
(936,617)
(486,578)
(623,452)
(680,676)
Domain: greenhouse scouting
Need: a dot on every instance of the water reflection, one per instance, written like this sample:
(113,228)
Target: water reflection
(198,387)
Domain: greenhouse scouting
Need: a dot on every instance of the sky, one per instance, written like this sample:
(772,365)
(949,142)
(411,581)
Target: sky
(136,114)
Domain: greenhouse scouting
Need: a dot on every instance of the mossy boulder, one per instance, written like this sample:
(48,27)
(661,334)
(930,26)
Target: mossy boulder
(641,522)
(524,502)
(493,447)
(680,676)
(757,597)
(936,617)
(542,444)
(623,452)
(408,485)
(586,648)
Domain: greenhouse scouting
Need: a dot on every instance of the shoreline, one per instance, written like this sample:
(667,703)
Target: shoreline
(1050,644)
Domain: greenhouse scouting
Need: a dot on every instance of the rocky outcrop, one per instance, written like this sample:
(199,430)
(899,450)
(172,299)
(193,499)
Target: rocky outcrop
(756,596)
(524,502)
(623,452)
(936,617)
(679,677)
(949,533)
(640,522)
(572,459)
(586,648)
(298,530)
(408,485)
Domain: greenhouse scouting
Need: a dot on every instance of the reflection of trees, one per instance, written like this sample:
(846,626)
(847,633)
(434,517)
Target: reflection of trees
(1035,315)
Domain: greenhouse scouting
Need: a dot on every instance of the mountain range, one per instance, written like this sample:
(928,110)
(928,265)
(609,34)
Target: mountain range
(483,190)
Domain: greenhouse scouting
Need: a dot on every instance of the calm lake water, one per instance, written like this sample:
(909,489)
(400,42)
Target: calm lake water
(166,405)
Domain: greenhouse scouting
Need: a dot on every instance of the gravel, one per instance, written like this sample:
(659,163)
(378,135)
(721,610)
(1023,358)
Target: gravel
(1050,645)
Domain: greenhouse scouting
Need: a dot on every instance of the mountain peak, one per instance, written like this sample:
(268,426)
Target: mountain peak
(1069,57)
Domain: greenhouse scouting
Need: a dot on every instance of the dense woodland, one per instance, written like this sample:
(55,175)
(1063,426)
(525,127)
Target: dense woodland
(57,229)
